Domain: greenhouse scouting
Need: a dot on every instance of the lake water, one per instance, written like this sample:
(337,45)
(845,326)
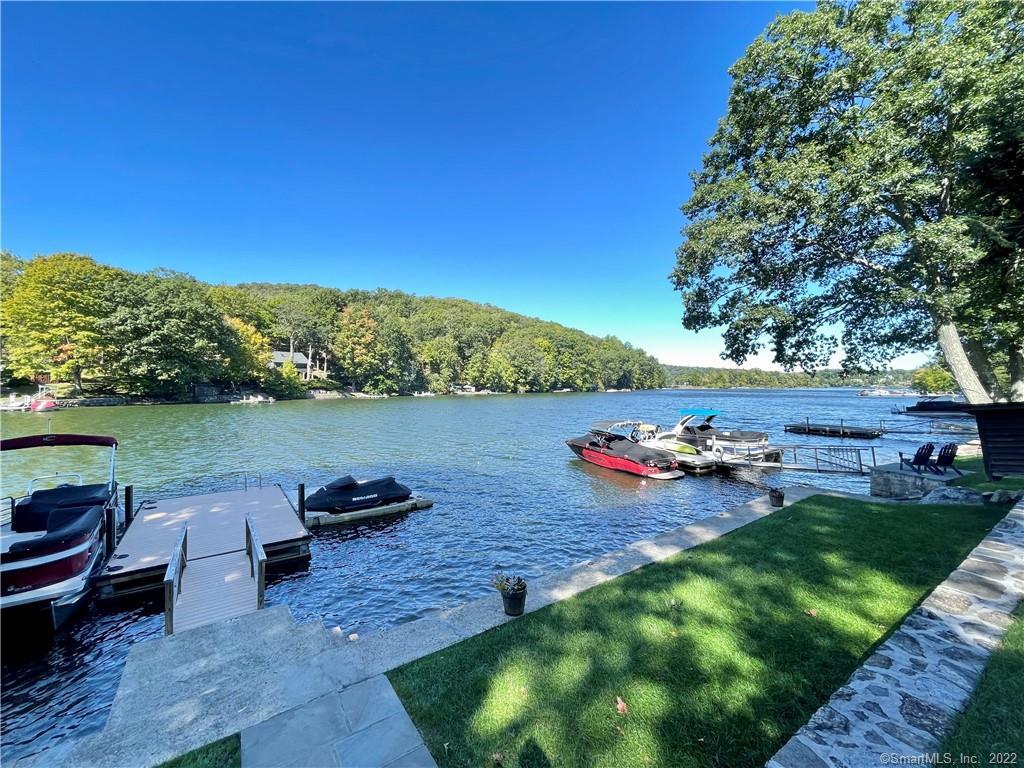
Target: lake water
(509,495)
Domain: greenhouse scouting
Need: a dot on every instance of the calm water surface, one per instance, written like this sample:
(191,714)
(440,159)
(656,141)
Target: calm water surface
(509,495)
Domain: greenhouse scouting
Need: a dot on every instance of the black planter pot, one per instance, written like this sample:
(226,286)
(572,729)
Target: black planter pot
(776,496)
(514,602)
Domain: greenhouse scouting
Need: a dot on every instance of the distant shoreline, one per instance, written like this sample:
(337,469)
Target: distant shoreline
(109,401)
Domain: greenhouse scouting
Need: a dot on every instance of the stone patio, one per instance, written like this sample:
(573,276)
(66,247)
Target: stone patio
(362,725)
(907,696)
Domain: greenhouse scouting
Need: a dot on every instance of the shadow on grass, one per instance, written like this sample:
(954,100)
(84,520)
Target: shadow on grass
(719,654)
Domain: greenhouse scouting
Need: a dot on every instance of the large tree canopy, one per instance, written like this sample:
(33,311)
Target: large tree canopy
(854,193)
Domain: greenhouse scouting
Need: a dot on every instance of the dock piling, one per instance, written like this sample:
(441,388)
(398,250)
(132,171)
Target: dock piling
(129,509)
(301,511)
(111,527)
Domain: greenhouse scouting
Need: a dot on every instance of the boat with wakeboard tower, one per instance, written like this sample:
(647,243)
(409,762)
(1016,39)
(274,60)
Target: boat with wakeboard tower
(695,429)
(59,536)
(606,446)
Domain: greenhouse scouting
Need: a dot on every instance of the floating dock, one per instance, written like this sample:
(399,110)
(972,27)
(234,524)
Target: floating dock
(216,527)
(834,430)
(317,519)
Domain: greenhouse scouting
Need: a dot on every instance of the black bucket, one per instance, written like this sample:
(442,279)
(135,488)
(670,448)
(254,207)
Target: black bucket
(776,496)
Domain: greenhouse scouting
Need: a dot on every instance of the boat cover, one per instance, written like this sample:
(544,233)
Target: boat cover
(63,527)
(32,513)
(623,447)
(347,495)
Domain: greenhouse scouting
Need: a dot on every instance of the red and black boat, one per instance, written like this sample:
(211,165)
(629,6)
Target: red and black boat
(57,537)
(606,448)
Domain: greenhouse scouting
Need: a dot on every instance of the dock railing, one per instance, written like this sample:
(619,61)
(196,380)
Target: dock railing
(172,578)
(857,460)
(257,559)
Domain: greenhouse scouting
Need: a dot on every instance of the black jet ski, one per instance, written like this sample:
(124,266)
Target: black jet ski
(348,495)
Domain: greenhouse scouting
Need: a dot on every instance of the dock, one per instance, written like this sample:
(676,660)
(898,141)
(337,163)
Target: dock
(317,519)
(208,553)
(834,430)
(853,460)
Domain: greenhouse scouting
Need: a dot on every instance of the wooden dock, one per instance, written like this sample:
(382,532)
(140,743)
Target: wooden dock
(210,547)
(834,430)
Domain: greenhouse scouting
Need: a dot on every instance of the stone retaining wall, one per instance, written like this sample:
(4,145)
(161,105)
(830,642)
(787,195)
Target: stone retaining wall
(890,481)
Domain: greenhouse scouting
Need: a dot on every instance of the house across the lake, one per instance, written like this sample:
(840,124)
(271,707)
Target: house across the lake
(278,359)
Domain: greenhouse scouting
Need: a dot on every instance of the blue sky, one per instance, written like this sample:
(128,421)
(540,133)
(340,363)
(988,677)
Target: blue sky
(533,156)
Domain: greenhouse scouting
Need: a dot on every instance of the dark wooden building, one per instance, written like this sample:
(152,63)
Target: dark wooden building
(1001,429)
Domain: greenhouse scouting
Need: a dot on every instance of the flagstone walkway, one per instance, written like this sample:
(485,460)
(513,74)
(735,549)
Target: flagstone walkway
(907,696)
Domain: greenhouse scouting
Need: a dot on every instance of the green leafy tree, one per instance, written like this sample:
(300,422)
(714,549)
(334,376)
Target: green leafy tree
(373,350)
(250,308)
(933,379)
(164,336)
(286,382)
(247,353)
(52,314)
(836,201)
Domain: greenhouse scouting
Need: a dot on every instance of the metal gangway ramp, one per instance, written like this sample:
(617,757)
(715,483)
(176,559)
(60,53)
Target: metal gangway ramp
(208,554)
(215,587)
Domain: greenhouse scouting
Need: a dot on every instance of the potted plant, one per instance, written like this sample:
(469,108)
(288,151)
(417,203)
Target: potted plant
(513,593)
(776,496)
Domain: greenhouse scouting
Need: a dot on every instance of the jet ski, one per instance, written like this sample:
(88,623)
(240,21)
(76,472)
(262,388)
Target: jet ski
(346,494)
(606,448)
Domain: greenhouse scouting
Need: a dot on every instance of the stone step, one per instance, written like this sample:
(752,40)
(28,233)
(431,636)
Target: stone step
(189,689)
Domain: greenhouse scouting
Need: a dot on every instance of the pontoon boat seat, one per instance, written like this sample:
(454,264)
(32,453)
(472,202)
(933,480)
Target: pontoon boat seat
(63,526)
(32,512)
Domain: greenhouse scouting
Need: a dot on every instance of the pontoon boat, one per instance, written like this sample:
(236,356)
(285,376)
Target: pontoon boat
(57,536)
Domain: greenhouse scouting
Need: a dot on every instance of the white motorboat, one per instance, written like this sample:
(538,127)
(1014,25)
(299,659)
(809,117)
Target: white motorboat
(723,444)
(253,400)
(15,403)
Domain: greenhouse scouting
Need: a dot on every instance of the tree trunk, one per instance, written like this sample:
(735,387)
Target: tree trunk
(291,349)
(1017,373)
(979,361)
(953,350)
(309,363)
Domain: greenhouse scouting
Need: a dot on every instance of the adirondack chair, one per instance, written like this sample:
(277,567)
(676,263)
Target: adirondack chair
(922,456)
(944,461)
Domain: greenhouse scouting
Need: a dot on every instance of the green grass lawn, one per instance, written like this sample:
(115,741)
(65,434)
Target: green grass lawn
(994,720)
(979,482)
(719,653)
(226,753)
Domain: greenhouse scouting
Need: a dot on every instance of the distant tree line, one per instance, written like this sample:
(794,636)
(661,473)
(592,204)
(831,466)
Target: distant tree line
(161,333)
(722,378)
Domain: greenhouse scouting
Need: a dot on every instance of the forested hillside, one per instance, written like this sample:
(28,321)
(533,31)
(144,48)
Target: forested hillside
(161,333)
(720,378)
